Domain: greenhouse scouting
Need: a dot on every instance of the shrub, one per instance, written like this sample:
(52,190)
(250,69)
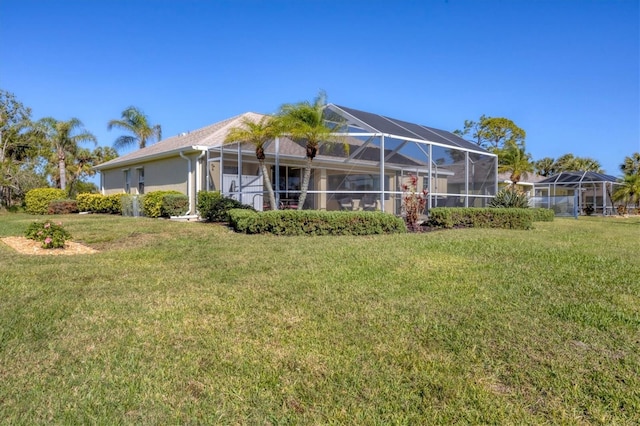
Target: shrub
(313,222)
(86,201)
(510,198)
(63,207)
(164,204)
(98,203)
(413,202)
(37,200)
(175,204)
(51,235)
(470,217)
(542,215)
(111,204)
(213,207)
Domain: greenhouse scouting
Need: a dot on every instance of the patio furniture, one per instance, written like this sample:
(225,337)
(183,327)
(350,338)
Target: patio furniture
(346,203)
(368,202)
(288,204)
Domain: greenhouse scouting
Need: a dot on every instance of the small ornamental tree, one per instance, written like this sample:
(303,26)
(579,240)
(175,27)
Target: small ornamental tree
(413,202)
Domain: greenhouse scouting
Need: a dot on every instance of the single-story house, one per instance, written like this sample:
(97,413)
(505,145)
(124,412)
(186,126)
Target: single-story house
(366,171)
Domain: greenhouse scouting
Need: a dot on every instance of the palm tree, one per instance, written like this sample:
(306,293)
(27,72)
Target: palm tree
(81,165)
(63,140)
(631,164)
(304,123)
(513,159)
(629,191)
(259,134)
(83,161)
(586,164)
(545,166)
(571,163)
(136,122)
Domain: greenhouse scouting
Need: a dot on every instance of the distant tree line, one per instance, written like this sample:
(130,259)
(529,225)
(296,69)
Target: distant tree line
(51,152)
(504,138)
(42,153)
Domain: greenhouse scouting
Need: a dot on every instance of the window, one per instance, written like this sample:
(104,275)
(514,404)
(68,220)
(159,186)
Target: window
(357,182)
(140,181)
(127,181)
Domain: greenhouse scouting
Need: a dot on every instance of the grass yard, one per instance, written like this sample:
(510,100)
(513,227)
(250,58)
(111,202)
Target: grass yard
(190,323)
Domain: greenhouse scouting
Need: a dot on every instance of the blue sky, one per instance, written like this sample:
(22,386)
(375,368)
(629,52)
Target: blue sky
(566,71)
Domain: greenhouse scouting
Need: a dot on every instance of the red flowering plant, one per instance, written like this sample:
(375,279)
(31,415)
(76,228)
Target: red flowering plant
(51,235)
(413,202)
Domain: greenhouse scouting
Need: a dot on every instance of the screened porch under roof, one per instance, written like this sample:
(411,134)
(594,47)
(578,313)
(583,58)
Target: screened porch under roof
(584,190)
(374,158)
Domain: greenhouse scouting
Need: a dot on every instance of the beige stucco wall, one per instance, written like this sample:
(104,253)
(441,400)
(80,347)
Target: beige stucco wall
(169,174)
(161,175)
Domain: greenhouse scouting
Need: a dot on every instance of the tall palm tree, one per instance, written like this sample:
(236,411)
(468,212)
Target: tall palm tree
(631,164)
(63,138)
(304,123)
(259,134)
(514,160)
(137,123)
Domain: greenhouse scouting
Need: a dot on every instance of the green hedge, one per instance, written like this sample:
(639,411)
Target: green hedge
(472,217)
(313,222)
(37,200)
(164,204)
(175,204)
(213,207)
(98,203)
(63,207)
(542,215)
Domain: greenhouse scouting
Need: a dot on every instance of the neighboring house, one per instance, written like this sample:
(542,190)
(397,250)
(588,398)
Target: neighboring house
(572,193)
(365,170)
(526,184)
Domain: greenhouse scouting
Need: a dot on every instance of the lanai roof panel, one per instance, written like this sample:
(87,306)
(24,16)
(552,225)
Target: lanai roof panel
(405,129)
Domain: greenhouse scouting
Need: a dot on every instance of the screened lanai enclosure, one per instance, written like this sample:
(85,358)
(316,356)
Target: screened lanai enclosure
(363,170)
(576,193)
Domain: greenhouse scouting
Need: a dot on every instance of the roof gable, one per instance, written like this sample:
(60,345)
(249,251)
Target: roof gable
(208,136)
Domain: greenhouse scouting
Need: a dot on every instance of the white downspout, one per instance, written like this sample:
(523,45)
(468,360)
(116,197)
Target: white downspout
(188,183)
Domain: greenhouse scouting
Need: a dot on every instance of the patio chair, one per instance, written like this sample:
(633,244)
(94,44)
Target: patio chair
(346,203)
(369,202)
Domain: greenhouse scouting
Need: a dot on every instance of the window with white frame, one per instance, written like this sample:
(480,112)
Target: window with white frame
(127,181)
(141,181)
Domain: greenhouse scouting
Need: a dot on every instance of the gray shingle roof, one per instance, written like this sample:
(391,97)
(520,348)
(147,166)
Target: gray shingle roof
(209,136)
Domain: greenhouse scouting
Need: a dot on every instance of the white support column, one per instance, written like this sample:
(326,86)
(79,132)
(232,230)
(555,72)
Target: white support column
(240,171)
(466,178)
(276,184)
(382,180)
(221,171)
(431,179)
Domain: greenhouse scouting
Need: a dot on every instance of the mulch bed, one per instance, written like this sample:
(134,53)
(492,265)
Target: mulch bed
(26,246)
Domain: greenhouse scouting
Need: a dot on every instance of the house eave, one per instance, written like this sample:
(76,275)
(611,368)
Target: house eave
(148,158)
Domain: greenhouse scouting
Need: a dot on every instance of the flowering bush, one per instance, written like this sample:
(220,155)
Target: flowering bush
(51,235)
(413,202)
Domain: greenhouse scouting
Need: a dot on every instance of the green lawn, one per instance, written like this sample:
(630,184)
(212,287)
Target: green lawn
(190,323)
